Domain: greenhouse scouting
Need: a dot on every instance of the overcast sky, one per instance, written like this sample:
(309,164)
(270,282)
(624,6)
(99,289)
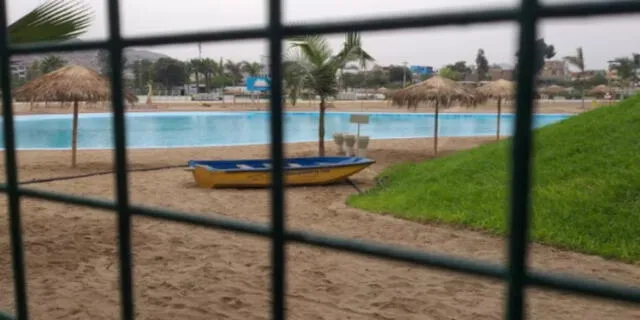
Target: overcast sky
(602,38)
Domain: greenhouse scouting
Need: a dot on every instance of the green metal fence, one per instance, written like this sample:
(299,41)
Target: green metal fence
(515,273)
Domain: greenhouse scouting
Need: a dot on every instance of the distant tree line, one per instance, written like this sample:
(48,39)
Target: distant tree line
(208,74)
(164,73)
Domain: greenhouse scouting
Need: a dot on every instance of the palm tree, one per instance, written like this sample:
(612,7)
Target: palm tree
(210,68)
(188,67)
(251,68)
(320,67)
(234,70)
(578,62)
(293,76)
(353,43)
(196,70)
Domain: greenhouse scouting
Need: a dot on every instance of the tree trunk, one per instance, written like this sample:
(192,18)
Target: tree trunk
(149,93)
(197,74)
(498,120)
(74,134)
(321,127)
(582,93)
(435,128)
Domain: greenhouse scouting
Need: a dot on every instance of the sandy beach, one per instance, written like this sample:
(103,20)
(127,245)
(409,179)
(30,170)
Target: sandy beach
(184,272)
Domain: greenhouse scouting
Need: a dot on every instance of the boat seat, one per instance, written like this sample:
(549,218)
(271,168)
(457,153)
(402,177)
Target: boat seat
(291,165)
(203,166)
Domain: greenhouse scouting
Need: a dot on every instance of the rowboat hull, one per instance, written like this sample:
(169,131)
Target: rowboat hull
(205,177)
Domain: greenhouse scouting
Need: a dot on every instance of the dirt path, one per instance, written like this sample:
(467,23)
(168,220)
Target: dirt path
(186,272)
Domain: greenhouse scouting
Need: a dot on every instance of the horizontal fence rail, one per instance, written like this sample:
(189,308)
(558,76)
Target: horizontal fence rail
(515,273)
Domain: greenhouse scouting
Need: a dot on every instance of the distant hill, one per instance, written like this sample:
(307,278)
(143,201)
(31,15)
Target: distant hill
(90,58)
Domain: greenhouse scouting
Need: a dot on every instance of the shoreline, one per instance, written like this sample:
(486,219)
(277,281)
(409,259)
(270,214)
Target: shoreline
(293,143)
(103,113)
(541,107)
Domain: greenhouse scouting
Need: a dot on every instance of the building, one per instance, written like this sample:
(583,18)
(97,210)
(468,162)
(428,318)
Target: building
(501,71)
(18,69)
(555,70)
(588,74)
(472,76)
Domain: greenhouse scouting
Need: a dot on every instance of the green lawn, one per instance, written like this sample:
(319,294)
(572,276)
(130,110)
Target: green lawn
(586,194)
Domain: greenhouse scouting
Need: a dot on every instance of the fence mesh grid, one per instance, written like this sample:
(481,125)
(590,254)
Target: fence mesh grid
(515,273)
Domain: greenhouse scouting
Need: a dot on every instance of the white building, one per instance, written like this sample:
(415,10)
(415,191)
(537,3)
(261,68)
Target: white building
(18,69)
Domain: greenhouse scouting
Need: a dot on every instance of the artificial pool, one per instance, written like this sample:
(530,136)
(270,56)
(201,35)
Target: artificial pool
(200,129)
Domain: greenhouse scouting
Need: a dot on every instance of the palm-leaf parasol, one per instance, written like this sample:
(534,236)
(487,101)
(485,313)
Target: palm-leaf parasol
(435,88)
(601,89)
(500,90)
(553,90)
(71,83)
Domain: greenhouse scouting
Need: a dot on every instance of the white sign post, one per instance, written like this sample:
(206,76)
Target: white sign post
(359,119)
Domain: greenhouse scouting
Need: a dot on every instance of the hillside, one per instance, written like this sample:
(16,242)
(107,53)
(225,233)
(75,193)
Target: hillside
(89,58)
(586,185)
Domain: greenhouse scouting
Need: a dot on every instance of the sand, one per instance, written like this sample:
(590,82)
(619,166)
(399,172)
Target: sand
(184,272)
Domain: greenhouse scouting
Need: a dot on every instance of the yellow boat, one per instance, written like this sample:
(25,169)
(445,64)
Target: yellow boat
(257,173)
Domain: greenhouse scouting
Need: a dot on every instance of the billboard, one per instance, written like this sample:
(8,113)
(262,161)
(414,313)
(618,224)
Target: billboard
(421,70)
(258,83)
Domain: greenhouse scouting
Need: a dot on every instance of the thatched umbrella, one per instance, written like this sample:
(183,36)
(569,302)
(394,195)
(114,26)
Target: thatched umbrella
(601,90)
(500,90)
(436,88)
(71,83)
(553,90)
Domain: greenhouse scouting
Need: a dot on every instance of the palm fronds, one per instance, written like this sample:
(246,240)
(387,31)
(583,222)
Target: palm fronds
(55,20)
(315,48)
(577,60)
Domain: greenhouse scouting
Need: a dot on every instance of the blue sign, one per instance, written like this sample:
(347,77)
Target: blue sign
(258,84)
(421,70)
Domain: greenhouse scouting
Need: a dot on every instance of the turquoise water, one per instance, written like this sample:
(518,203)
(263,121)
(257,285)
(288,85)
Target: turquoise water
(182,129)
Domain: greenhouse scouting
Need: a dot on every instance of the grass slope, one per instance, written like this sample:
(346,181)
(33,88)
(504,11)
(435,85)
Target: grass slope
(586,194)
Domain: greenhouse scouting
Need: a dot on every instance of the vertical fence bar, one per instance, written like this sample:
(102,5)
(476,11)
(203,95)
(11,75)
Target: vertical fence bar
(11,169)
(122,190)
(521,163)
(277,156)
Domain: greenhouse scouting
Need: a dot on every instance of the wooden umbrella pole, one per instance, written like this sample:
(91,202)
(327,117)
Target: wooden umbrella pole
(74,134)
(498,120)
(435,127)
